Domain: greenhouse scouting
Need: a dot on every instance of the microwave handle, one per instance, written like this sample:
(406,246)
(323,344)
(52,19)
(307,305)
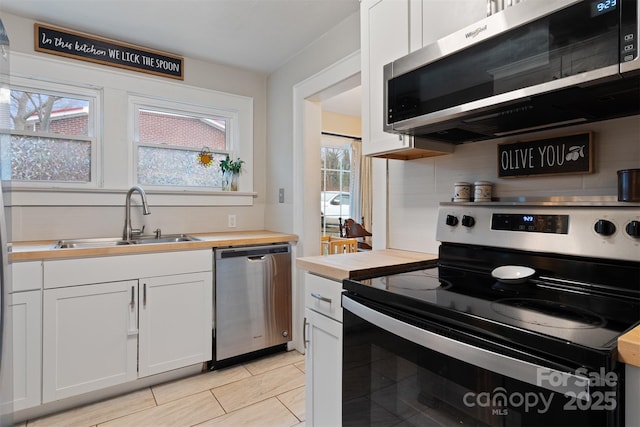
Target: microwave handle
(537,375)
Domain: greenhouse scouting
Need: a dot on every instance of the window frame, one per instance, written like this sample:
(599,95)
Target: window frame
(335,143)
(94,97)
(136,102)
(340,143)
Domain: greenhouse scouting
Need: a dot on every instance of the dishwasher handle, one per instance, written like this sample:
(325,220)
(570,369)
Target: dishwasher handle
(251,251)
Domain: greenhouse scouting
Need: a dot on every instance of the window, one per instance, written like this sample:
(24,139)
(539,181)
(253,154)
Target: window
(168,137)
(336,168)
(53,135)
(335,197)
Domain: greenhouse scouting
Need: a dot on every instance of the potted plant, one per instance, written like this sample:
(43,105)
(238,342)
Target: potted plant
(230,171)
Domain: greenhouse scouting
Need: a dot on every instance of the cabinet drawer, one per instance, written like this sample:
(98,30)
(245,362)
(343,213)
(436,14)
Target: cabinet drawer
(26,276)
(82,271)
(323,296)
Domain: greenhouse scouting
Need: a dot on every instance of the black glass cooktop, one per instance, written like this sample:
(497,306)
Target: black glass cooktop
(594,321)
(571,310)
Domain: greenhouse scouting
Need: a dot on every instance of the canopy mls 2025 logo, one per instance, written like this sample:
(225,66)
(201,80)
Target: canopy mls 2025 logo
(85,47)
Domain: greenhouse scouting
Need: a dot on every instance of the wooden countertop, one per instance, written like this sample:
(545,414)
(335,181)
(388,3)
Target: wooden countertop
(342,266)
(42,250)
(338,267)
(629,347)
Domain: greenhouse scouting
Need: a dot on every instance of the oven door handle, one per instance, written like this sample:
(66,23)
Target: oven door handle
(530,373)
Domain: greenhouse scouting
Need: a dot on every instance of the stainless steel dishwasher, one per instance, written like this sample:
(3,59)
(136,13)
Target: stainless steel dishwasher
(252,299)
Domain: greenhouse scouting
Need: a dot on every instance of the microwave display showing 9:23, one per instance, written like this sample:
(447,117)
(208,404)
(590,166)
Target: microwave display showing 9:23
(603,6)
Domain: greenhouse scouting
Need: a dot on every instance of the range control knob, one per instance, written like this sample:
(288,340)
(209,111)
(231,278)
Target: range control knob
(468,221)
(604,227)
(451,220)
(633,228)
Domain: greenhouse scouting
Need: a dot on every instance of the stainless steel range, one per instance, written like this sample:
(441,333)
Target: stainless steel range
(517,325)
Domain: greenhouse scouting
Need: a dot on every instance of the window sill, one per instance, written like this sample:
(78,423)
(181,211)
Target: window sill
(26,196)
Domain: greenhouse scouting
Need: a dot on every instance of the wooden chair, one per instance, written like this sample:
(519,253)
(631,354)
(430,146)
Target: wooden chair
(337,245)
(352,230)
(342,246)
(324,244)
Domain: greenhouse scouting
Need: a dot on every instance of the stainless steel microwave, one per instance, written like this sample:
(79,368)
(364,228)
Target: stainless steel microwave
(535,65)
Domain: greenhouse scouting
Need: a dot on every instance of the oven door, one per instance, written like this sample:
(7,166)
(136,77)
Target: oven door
(397,371)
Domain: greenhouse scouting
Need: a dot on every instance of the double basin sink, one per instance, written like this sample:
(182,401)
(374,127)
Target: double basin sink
(117,241)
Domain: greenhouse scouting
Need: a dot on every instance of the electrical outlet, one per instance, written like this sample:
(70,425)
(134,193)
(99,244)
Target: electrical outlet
(231,221)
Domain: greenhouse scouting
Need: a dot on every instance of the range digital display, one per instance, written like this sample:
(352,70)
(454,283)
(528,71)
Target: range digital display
(557,224)
(603,6)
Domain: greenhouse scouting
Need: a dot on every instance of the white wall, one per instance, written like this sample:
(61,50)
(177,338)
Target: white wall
(81,218)
(287,160)
(417,187)
(338,43)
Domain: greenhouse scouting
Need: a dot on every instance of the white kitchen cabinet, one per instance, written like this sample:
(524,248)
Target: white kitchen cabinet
(384,26)
(391,29)
(175,322)
(25,312)
(143,321)
(90,338)
(26,276)
(323,296)
(443,17)
(323,355)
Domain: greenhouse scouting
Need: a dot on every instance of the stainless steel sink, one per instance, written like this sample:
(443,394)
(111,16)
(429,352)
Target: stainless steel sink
(90,243)
(118,241)
(168,238)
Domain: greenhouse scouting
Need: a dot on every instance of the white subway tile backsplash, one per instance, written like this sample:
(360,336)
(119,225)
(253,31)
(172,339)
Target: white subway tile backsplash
(417,187)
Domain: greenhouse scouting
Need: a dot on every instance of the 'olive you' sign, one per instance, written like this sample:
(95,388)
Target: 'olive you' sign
(567,154)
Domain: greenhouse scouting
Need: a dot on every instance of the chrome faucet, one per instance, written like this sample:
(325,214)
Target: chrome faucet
(128,231)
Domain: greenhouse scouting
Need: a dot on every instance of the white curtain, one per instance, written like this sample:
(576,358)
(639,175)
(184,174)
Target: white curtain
(360,185)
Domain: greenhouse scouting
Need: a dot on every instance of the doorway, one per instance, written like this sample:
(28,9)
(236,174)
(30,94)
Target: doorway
(309,96)
(307,129)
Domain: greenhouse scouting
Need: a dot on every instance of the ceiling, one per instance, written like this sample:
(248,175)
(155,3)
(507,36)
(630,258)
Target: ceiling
(348,103)
(259,35)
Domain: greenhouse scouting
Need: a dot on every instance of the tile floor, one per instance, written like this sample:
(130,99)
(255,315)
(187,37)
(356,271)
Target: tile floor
(266,392)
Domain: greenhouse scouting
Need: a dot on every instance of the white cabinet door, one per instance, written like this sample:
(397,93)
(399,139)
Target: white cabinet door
(323,370)
(90,338)
(390,29)
(25,311)
(443,17)
(175,321)
(385,36)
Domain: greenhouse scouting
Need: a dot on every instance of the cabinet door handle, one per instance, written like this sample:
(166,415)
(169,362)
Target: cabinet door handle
(304,333)
(320,297)
(144,295)
(133,321)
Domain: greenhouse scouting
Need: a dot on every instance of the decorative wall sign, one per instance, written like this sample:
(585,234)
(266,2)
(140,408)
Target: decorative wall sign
(568,154)
(59,41)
